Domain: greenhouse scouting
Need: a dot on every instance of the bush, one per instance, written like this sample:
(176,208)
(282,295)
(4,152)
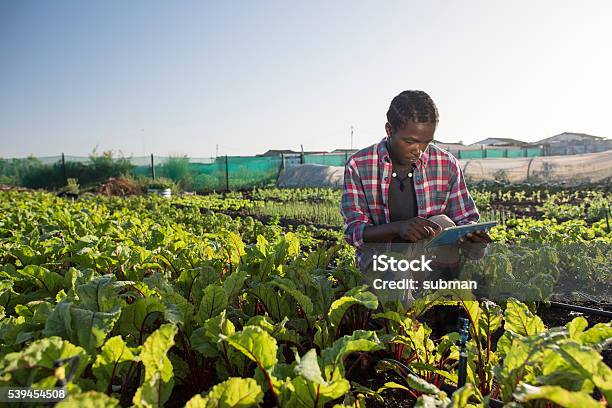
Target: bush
(161,183)
(176,168)
(34,174)
(12,171)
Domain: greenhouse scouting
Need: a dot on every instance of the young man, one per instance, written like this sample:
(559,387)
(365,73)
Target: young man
(405,189)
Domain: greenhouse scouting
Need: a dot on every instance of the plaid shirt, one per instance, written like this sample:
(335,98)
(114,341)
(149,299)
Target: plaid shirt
(438,184)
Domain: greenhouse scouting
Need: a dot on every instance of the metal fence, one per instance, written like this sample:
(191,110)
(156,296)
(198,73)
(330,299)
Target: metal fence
(199,174)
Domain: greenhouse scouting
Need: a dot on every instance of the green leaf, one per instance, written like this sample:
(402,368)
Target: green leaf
(200,342)
(49,282)
(134,317)
(403,321)
(588,362)
(219,325)
(233,247)
(262,245)
(205,339)
(356,296)
(108,363)
(214,301)
(555,394)
(322,337)
(234,283)
(36,362)
(275,304)
(522,353)
(308,367)
(90,399)
(431,401)
(520,320)
(232,393)
(290,288)
(99,294)
(359,340)
(308,394)
(390,385)
(490,319)
(421,385)
(84,327)
(576,327)
(461,396)
(597,335)
(93,327)
(287,246)
(256,344)
(159,379)
(191,282)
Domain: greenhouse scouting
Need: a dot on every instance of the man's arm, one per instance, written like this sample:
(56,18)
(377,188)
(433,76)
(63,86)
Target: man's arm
(358,227)
(353,206)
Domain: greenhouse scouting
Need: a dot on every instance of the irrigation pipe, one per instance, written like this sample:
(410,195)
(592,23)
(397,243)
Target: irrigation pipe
(581,309)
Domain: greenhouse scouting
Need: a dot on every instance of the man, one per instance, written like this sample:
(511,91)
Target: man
(405,189)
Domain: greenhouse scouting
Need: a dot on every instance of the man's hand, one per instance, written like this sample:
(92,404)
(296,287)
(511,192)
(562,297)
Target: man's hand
(418,228)
(480,237)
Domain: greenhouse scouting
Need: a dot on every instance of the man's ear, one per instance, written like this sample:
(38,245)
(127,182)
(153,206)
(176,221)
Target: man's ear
(389,129)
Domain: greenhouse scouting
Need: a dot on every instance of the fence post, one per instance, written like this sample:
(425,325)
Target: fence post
(152,167)
(281,167)
(302,154)
(64,168)
(529,167)
(227,187)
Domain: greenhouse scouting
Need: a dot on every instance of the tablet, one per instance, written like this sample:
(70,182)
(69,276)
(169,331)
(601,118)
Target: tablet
(451,235)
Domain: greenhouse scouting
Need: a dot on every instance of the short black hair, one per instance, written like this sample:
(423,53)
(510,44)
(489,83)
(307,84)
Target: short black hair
(416,106)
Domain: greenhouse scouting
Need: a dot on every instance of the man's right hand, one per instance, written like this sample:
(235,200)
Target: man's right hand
(418,228)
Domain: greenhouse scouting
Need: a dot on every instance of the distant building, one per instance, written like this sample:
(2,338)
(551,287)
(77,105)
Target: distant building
(344,151)
(570,137)
(277,152)
(574,143)
(454,148)
(450,145)
(500,142)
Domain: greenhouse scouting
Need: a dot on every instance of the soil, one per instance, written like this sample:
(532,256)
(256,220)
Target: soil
(554,316)
(364,374)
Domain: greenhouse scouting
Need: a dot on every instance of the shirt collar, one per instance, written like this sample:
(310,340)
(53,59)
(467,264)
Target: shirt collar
(383,153)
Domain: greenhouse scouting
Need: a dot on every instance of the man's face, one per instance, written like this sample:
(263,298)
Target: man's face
(406,145)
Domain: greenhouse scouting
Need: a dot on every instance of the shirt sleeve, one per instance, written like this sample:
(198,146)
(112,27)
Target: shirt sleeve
(354,207)
(460,207)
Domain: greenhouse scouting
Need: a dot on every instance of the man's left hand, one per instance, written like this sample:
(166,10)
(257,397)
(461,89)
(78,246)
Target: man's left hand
(481,237)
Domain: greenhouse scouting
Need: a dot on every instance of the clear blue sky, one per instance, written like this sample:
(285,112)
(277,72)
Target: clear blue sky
(179,77)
